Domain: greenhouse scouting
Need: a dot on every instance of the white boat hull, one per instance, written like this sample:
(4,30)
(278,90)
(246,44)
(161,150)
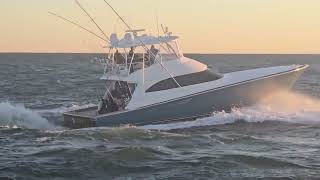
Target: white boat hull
(197,103)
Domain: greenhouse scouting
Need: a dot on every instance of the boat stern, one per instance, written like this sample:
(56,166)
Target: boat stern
(81,118)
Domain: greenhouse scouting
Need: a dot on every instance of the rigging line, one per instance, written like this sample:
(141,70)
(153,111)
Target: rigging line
(143,45)
(157,23)
(118,15)
(106,39)
(86,12)
(79,26)
(96,24)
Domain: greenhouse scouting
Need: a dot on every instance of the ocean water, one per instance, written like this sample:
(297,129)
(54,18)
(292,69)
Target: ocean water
(278,138)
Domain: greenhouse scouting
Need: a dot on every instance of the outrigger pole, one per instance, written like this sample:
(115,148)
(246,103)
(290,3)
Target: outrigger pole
(106,39)
(79,26)
(100,29)
(86,12)
(143,45)
(95,23)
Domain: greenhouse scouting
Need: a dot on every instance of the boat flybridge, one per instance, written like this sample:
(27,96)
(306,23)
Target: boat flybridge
(149,81)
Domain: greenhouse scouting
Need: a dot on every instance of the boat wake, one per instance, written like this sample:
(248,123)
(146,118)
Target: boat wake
(17,116)
(282,106)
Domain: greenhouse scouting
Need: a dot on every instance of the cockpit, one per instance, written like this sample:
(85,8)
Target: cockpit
(117,96)
(134,52)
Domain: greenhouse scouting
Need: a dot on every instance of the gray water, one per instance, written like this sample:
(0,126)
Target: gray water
(278,138)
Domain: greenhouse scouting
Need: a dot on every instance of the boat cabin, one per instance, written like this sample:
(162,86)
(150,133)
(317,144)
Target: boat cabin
(128,55)
(139,65)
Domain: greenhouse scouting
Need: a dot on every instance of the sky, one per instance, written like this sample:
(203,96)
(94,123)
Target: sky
(204,26)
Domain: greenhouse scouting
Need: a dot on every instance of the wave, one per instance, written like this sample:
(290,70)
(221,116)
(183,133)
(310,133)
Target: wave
(121,133)
(262,161)
(17,116)
(282,106)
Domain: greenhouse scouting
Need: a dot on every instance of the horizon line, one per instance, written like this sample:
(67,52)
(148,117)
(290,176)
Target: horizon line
(222,53)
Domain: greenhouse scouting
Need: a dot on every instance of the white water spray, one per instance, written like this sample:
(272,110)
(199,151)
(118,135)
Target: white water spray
(18,116)
(281,106)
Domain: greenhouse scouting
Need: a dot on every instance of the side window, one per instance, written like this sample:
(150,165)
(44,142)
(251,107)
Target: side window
(185,80)
(163,85)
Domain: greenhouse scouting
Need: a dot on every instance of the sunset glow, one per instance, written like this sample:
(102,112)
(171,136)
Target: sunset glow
(206,26)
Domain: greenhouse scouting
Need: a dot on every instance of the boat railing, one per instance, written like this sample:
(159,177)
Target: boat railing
(139,62)
(115,69)
(122,69)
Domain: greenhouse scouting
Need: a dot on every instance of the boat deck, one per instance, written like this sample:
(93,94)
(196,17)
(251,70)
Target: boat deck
(81,118)
(90,112)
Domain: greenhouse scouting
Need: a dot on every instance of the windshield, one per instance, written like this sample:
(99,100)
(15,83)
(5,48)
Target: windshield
(169,51)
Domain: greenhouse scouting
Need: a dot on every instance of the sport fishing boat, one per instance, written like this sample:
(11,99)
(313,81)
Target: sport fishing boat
(149,81)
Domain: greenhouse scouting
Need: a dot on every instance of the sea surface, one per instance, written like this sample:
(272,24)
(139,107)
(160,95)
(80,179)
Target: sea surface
(278,138)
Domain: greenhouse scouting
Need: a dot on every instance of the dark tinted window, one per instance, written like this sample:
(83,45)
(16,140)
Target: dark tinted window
(185,80)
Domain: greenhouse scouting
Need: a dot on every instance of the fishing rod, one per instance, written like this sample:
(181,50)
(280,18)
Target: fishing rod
(96,24)
(143,45)
(100,29)
(79,26)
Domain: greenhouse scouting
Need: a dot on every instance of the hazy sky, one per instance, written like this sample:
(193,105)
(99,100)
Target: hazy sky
(205,26)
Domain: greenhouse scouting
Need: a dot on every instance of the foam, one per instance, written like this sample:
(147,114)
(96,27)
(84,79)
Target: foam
(17,116)
(282,106)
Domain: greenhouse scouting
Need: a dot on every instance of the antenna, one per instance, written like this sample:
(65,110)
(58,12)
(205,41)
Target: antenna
(79,26)
(157,22)
(86,12)
(143,45)
(163,29)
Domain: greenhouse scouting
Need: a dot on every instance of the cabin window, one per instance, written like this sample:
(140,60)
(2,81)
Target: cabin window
(185,80)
